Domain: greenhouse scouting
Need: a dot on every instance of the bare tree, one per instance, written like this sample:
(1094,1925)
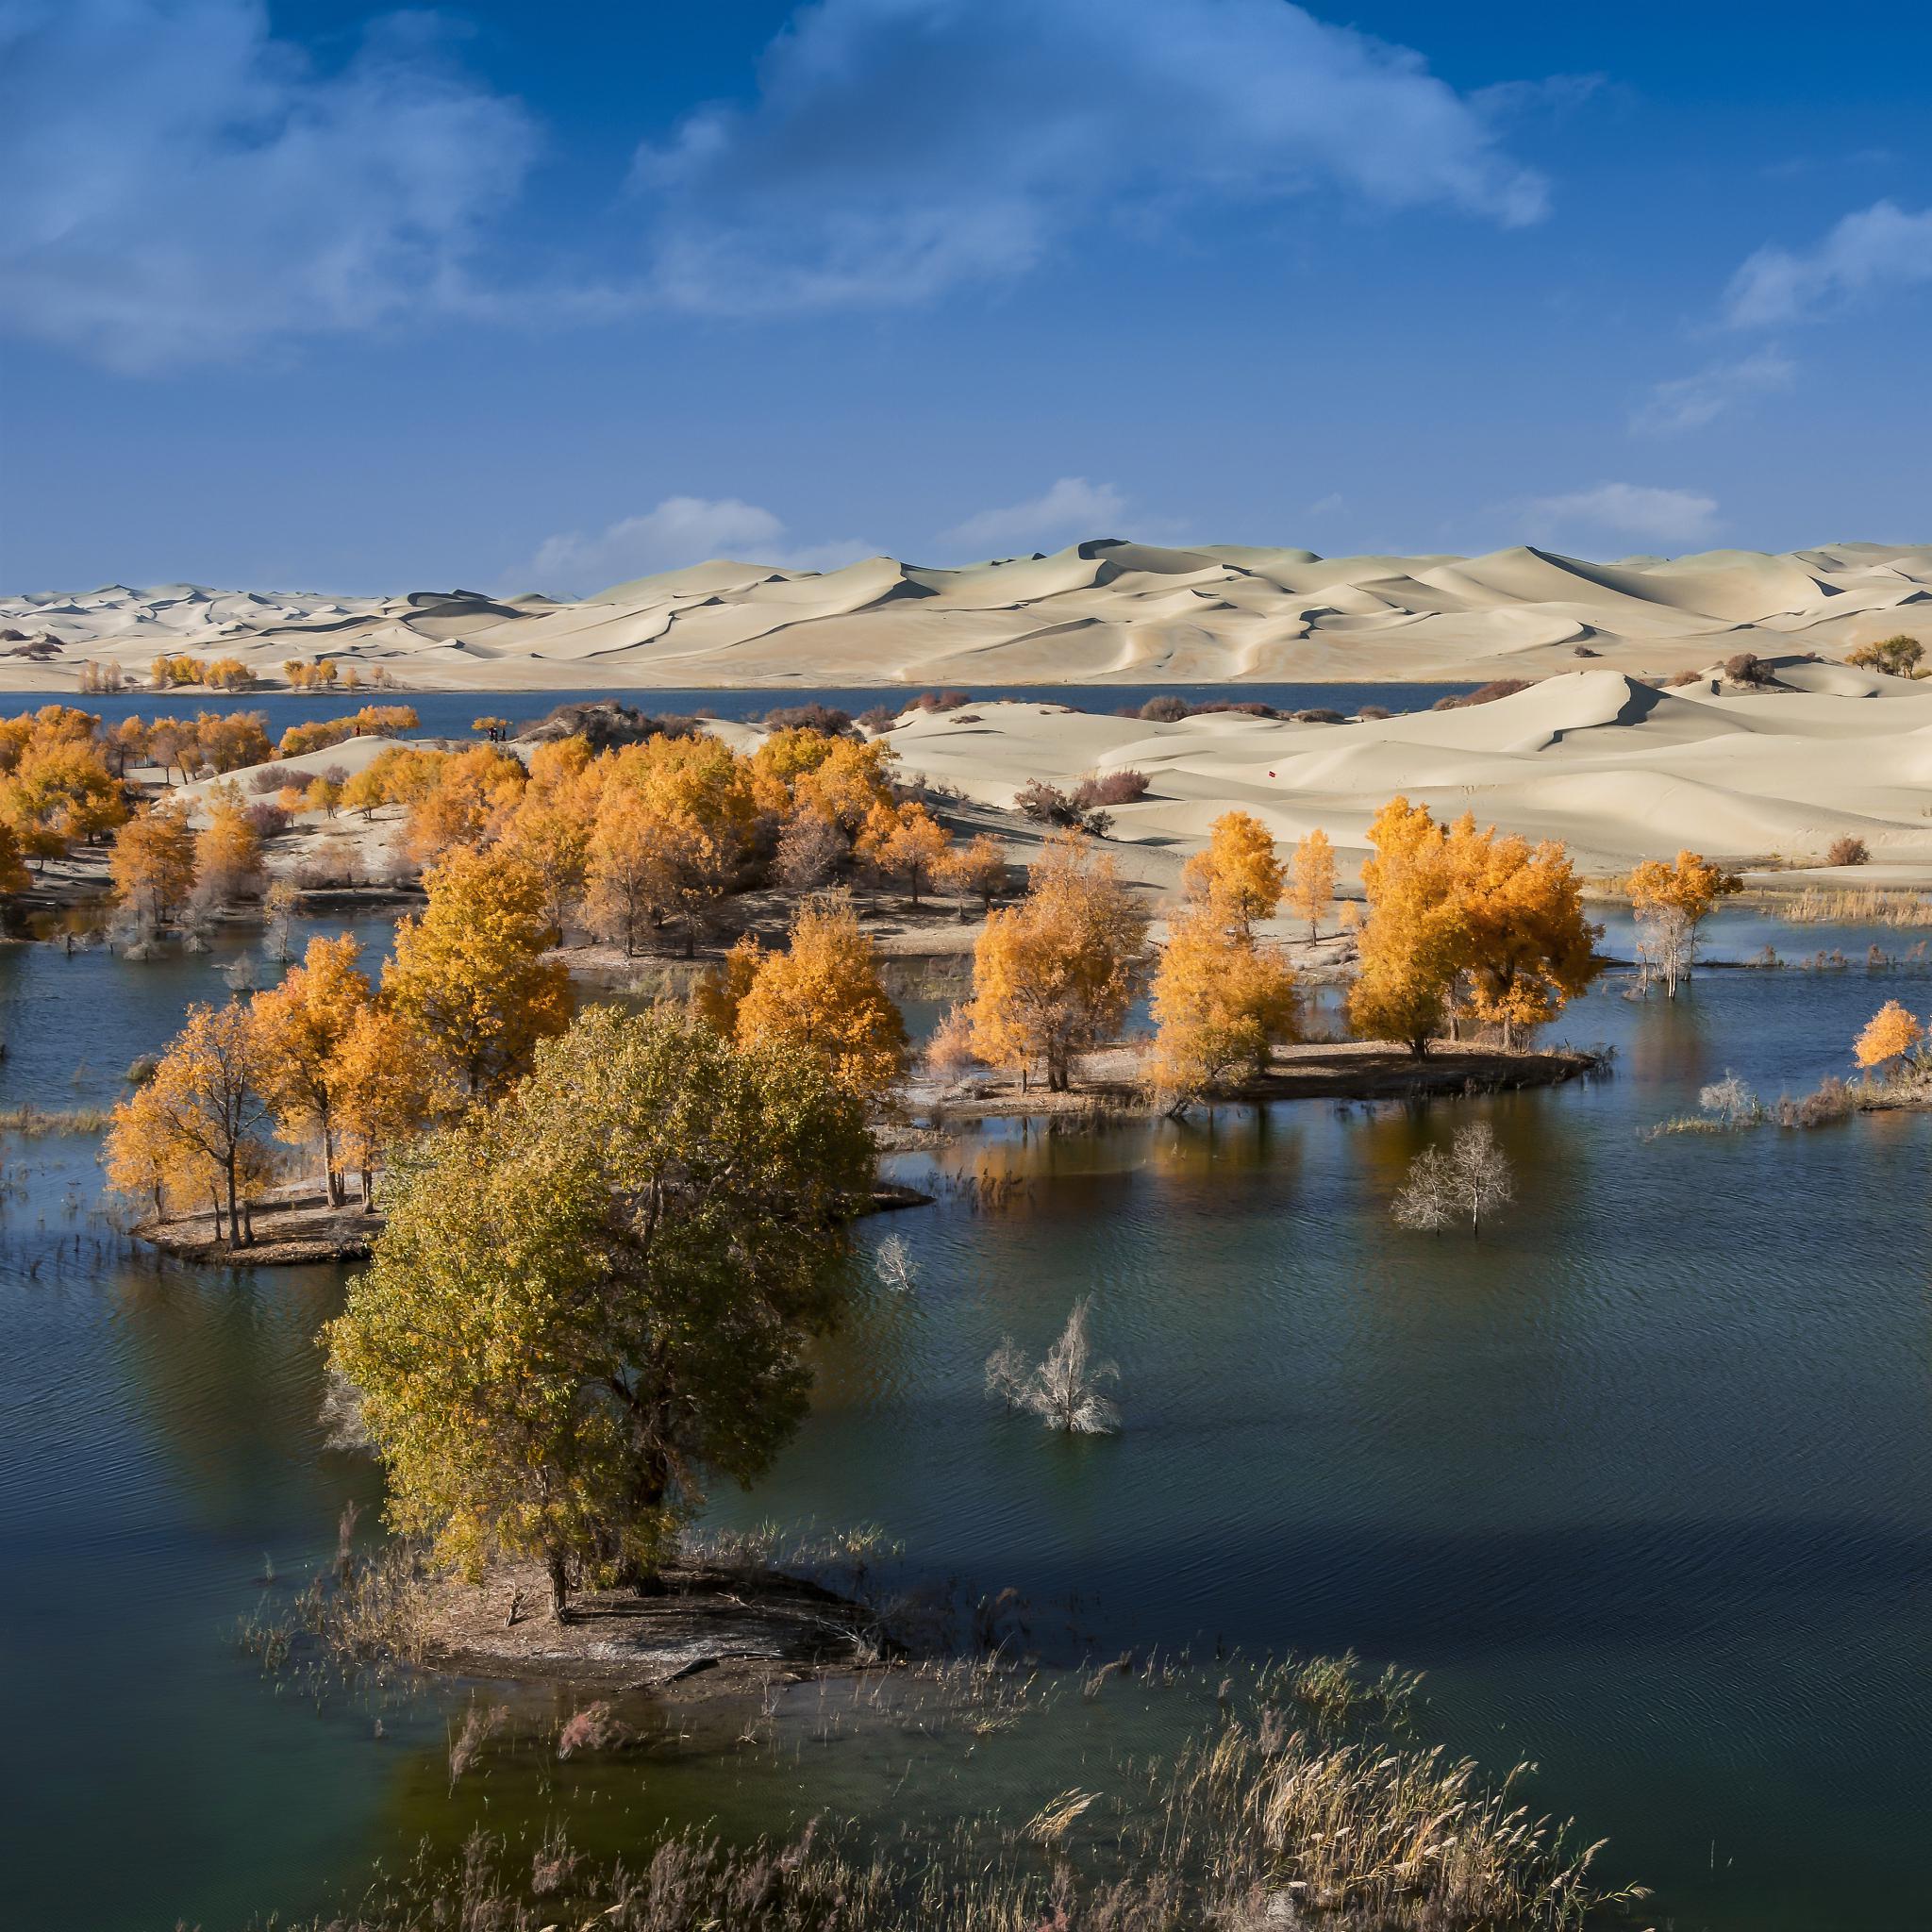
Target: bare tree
(1666,946)
(1730,1100)
(1064,1390)
(810,850)
(1472,1178)
(1425,1202)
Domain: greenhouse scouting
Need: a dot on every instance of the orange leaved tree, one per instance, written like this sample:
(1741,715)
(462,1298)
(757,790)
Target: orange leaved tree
(1054,974)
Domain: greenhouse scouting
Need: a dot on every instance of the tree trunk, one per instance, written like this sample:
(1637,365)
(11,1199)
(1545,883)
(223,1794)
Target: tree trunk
(559,1588)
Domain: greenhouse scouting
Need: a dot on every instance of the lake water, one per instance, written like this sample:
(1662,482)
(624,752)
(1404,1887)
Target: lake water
(449,714)
(1643,1480)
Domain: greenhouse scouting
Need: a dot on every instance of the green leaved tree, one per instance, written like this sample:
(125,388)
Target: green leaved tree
(594,1298)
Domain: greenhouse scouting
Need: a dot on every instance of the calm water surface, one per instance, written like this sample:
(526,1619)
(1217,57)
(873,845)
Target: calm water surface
(1642,1480)
(449,714)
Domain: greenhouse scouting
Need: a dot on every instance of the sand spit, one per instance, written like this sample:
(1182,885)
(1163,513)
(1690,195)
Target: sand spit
(1103,611)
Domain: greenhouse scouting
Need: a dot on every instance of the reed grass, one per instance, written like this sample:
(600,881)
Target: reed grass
(1237,1829)
(32,1122)
(1850,906)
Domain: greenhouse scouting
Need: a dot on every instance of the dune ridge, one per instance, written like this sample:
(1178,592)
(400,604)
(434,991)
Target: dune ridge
(1100,612)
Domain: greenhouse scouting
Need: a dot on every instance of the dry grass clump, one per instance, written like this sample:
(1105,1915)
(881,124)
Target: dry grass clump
(1853,905)
(32,1122)
(1239,1831)
(362,1615)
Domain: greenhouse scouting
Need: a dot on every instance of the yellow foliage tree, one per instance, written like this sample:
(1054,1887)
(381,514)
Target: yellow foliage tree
(847,783)
(227,850)
(385,1089)
(153,863)
(976,870)
(13,875)
(299,1029)
(1054,974)
(1459,911)
(470,974)
(1671,901)
(695,804)
(206,1105)
(1889,1035)
(1220,1003)
(1415,938)
(620,870)
(1529,948)
(1238,875)
(471,801)
(905,842)
(1311,880)
(824,992)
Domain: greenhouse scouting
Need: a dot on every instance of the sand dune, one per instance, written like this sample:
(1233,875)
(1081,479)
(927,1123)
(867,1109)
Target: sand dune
(1100,612)
(1619,770)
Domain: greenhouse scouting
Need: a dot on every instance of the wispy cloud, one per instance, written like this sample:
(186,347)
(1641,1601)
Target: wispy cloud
(1073,507)
(1881,247)
(183,186)
(1690,402)
(1624,509)
(680,530)
(899,147)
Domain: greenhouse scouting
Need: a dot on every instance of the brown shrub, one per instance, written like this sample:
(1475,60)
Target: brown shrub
(1164,710)
(1847,852)
(1109,788)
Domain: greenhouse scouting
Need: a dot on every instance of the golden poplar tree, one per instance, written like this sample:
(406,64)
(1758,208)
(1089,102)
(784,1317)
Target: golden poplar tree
(385,1089)
(1220,1003)
(153,863)
(976,870)
(1238,875)
(1889,1035)
(1529,948)
(823,993)
(13,875)
(227,850)
(1412,944)
(470,976)
(905,842)
(1671,901)
(1053,975)
(695,804)
(1311,880)
(619,869)
(299,1027)
(207,1102)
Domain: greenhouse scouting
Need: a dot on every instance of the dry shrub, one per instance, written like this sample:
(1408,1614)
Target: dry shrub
(1747,667)
(878,720)
(1847,851)
(1679,679)
(1318,715)
(1164,710)
(942,700)
(1483,694)
(1369,712)
(1109,788)
(822,719)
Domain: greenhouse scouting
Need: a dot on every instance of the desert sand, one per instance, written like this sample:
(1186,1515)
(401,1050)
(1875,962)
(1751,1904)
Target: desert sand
(1619,770)
(1100,612)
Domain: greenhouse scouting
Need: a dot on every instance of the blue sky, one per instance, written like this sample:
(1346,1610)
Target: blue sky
(310,295)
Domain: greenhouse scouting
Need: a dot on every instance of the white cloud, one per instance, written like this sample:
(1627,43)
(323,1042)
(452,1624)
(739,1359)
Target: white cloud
(181,185)
(1626,510)
(680,530)
(1690,402)
(1882,246)
(1073,507)
(899,147)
